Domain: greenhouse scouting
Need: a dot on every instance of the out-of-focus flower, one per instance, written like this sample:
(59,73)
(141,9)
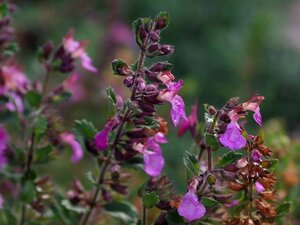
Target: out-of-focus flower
(189,123)
(77,49)
(13,79)
(153,158)
(190,208)
(1,201)
(70,139)
(73,85)
(101,138)
(232,138)
(4,138)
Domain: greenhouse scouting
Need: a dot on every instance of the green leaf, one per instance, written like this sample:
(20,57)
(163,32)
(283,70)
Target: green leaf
(150,199)
(111,95)
(211,141)
(7,217)
(85,129)
(123,211)
(229,158)
(42,155)
(34,98)
(3,10)
(118,65)
(209,202)
(68,205)
(136,163)
(162,20)
(11,49)
(283,209)
(28,191)
(191,164)
(174,219)
(132,107)
(40,126)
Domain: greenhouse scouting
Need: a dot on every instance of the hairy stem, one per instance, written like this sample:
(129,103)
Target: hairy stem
(144,216)
(103,169)
(30,154)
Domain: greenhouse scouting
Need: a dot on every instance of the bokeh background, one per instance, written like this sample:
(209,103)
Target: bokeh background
(223,49)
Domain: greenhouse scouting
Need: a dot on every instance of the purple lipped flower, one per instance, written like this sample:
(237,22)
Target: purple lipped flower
(77,50)
(259,187)
(153,163)
(189,123)
(153,158)
(190,208)
(102,137)
(257,116)
(232,138)
(177,111)
(253,105)
(70,139)
(256,156)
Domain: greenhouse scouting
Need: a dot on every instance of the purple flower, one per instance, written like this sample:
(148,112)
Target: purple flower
(259,187)
(4,138)
(233,138)
(70,139)
(177,111)
(232,203)
(256,156)
(257,116)
(153,158)
(189,123)
(1,201)
(153,163)
(190,208)
(253,105)
(101,138)
(77,50)
(170,95)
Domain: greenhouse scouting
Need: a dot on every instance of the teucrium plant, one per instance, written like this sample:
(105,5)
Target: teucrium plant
(233,186)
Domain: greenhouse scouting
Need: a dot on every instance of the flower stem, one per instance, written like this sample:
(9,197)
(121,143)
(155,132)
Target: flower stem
(209,159)
(103,169)
(30,154)
(144,215)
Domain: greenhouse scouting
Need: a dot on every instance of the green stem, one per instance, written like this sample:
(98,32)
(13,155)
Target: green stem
(144,215)
(209,159)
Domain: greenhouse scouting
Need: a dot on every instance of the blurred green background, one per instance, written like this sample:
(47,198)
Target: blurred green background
(223,49)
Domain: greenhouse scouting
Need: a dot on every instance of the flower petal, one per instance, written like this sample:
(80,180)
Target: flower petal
(232,138)
(190,208)
(153,163)
(178,110)
(101,140)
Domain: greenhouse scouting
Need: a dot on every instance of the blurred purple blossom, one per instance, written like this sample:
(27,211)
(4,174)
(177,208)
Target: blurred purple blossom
(70,139)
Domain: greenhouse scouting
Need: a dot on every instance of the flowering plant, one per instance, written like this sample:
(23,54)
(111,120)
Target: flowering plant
(232,185)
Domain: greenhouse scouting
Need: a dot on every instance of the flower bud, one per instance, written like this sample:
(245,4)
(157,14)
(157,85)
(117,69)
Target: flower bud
(154,36)
(47,49)
(128,81)
(122,189)
(167,49)
(162,20)
(211,179)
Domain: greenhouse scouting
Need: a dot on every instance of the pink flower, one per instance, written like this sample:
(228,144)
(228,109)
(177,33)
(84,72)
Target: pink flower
(178,106)
(166,77)
(77,50)
(14,78)
(256,156)
(253,105)
(4,138)
(101,138)
(70,139)
(1,201)
(259,187)
(73,85)
(153,158)
(232,138)
(189,123)
(190,208)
